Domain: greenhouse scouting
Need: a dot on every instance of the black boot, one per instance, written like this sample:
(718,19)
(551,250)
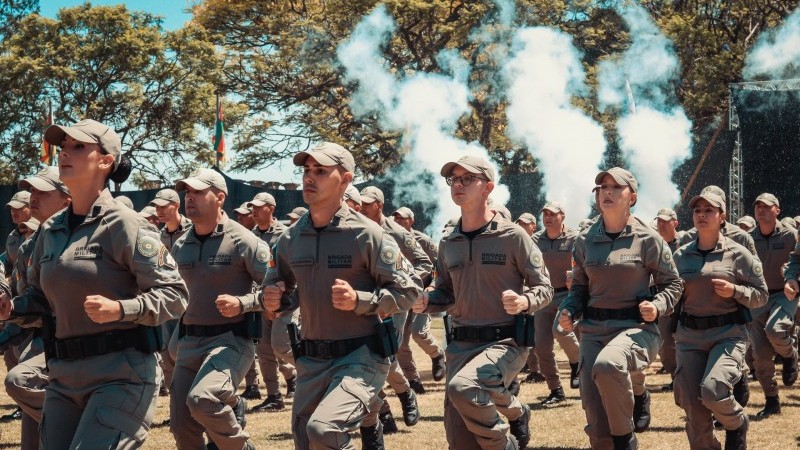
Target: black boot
(741,391)
(389,425)
(772,406)
(272,403)
(239,411)
(438,368)
(535,377)
(251,392)
(574,381)
(417,386)
(737,439)
(408,400)
(521,428)
(789,372)
(625,442)
(372,437)
(641,412)
(556,396)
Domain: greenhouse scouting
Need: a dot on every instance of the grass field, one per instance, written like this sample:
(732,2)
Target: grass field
(556,427)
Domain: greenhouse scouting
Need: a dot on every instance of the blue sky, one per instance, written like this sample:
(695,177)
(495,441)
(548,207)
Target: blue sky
(173,11)
(175,15)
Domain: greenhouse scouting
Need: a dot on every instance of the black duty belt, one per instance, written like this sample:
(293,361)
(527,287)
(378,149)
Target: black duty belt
(237,328)
(775,291)
(560,290)
(336,348)
(142,338)
(631,313)
(738,317)
(483,334)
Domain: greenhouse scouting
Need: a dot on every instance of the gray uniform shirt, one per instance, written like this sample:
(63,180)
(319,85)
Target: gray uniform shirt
(13,241)
(557,254)
(228,261)
(114,253)
(410,250)
(271,234)
(169,239)
(616,274)
(728,261)
(773,251)
(472,274)
(427,243)
(352,248)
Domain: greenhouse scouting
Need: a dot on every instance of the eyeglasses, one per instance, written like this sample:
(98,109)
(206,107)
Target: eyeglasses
(464,180)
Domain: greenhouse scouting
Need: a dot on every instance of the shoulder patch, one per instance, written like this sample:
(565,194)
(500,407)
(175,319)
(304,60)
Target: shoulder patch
(389,252)
(666,256)
(262,253)
(410,242)
(757,269)
(148,246)
(537,261)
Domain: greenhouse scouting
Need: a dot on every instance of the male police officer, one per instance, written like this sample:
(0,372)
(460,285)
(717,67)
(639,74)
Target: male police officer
(168,205)
(372,200)
(19,207)
(418,326)
(273,350)
(489,271)
(667,226)
(26,382)
(555,242)
(347,272)
(219,260)
(772,324)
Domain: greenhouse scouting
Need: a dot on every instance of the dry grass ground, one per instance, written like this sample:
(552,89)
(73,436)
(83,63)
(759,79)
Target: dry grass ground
(558,427)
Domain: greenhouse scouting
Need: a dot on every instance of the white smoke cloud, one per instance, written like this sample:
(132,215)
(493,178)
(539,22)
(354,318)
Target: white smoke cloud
(543,75)
(655,135)
(424,107)
(776,51)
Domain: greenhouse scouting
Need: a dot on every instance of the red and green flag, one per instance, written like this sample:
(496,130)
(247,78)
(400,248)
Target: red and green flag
(219,133)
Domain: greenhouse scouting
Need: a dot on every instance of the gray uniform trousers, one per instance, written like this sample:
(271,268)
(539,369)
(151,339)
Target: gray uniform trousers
(667,351)
(26,384)
(610,356)
(418,328)
(275,352)
(546,329)
(771,332)
(106,401)
(207,372)
(709,365)
(335,396)
(477,376)
(167,361)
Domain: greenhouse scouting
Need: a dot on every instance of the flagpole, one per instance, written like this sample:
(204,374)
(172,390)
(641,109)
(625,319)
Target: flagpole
(50,119)
(216,119)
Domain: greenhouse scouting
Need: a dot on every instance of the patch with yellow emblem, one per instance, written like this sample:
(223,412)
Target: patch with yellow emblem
(262,253)
(148,246)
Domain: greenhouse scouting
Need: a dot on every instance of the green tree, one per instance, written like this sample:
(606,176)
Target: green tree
(155,87)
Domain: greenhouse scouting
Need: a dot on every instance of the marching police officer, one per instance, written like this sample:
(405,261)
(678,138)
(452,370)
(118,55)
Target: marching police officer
(347,273)
(19,207)
(104,374)
(615,260)
(667,225)
(168,204)
(491,278)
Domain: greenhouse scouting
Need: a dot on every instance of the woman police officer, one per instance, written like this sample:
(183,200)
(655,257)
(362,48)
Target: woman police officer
(722,280)
(108,280)
(615,261)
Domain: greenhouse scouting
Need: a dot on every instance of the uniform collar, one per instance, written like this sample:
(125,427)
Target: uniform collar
(493,225)
(601,236)
(222,226)
(100,207)
(721,246)
(307,226)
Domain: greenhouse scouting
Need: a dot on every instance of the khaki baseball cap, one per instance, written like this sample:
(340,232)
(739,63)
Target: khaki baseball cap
(527,218)
(261,199)
(371,194)
(32,223)
(243,209)
(714,190)
(88,131)
(710,197)
(502,211)
(768,199)
(327,154)
(164,197)
(620,175)
(20,199)
(351,193)
(148,211)
(297,212)
(747,220)
(471,164)
(124,200)
(404,212)
(554,207)
(47,180)
(203,179)
(666,214)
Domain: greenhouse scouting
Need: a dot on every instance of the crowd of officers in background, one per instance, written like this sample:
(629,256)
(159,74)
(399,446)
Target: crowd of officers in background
(331,299)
